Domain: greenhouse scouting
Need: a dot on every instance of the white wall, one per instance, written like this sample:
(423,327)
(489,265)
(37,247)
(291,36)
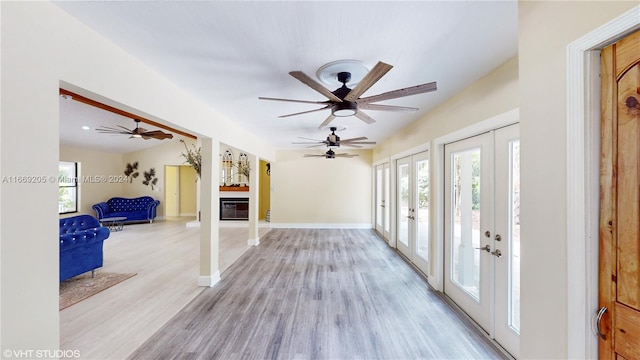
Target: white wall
(545,30)
(43,49)
(321,191)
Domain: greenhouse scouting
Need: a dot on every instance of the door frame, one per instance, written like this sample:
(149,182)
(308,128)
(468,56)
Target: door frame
(583,158)
(436,279)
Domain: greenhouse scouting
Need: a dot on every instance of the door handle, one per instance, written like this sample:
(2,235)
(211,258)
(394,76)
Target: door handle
(598,319)
(486,248)
(497,253)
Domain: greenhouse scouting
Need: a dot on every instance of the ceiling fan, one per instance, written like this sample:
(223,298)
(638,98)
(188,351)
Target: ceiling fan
(138,132)
(335,141)
(330,155)
(347,102)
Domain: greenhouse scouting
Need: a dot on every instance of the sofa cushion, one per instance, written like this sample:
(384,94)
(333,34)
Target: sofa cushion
(117,204)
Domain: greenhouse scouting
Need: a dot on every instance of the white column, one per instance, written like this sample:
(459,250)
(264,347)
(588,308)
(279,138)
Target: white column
(254,200)
(210,213)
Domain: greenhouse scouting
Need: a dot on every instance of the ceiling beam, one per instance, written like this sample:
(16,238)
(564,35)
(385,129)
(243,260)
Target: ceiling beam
(106,107)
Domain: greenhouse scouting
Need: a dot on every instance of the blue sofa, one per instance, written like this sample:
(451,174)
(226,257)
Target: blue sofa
(81,239)
(136,209)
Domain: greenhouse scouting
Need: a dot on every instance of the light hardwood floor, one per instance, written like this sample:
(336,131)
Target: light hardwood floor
(165,255)
(318,294)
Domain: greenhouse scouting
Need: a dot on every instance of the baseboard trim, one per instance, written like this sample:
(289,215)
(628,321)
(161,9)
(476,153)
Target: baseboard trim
(193,224)
(209,281)
(253,242)
(321,226)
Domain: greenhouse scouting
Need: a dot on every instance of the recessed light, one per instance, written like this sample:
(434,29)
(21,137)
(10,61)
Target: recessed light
(66,96)
(85,127)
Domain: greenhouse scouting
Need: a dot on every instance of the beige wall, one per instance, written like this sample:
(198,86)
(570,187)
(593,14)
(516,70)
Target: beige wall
(188,191)
(94,163)
(321,191)
(495,93)
(165,153)
(265,191)
(545,30)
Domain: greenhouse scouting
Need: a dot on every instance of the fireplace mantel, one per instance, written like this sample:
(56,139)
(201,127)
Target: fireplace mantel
(234,188)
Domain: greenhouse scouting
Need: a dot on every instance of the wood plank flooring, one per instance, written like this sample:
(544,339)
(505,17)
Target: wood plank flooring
(165,255)
(318,294)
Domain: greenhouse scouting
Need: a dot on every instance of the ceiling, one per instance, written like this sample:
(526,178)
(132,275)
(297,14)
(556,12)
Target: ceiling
(228,53)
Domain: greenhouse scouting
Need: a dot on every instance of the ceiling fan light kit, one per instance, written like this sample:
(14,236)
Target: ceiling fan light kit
(344,101)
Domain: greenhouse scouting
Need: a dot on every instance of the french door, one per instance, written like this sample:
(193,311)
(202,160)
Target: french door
(383,204)
(482,231)
(413,209)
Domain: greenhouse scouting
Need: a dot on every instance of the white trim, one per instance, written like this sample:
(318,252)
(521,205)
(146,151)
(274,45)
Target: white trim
(253,242)
(321,226)
(414,150)
(193,224)
(209,281)
(583,133)
(436,280)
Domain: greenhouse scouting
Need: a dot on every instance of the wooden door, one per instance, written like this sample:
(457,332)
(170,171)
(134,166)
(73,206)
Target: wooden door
(619,279)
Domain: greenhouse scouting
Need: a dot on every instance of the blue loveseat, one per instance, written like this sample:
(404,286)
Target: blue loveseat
(136,209)
(81,240)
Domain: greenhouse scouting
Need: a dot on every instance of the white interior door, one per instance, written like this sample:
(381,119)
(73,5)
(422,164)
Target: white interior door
(482,231)
(413,209)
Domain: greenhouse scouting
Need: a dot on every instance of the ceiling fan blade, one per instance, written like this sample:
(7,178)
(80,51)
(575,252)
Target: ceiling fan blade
(313,155)
(351,145)
(354,139)
(362,143)
(378,71)
(122,127)
(346,155)
(312,146)
(307,143)
(292,100)
(305,79)
(157,134)
(418,89)
(364,117)
(327,121)
(368,106)
(304,138)
(113,131)
(304,112)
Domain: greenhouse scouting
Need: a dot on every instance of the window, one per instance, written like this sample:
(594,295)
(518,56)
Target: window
(67,187)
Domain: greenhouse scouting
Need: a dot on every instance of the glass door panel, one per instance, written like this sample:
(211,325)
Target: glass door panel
(514,227)
(507,238)
(468,198)
(403,204)
(466,221)
(421,168)
(379,199)
(387,208)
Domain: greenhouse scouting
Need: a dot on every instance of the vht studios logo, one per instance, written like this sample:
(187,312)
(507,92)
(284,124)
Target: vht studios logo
(41,354)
